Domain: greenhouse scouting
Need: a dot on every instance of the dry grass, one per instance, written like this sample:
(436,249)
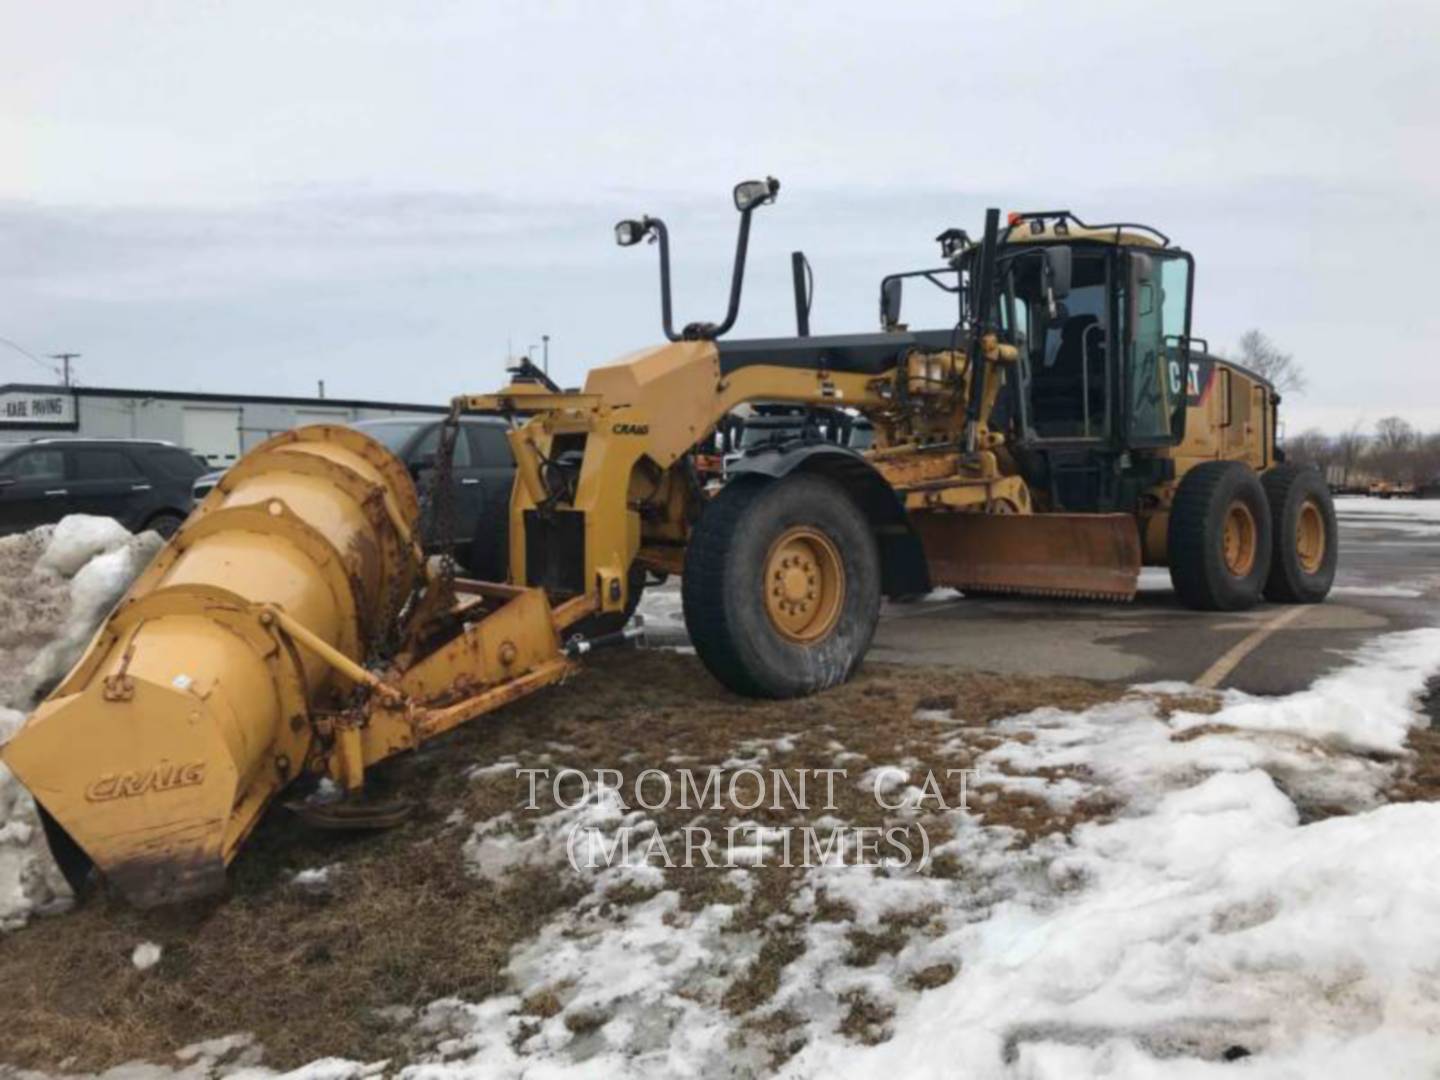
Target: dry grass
(404,924)
(1419,778)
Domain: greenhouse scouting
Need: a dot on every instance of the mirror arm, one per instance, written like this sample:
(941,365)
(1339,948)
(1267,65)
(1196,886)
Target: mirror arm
(662,236)
(737,276)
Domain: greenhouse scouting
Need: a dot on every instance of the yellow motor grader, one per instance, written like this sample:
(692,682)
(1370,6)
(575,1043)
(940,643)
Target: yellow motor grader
(1062,431)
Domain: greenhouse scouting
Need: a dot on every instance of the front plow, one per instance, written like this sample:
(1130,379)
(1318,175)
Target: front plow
(246,656)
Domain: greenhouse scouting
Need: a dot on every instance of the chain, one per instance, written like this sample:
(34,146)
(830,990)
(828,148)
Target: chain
(440,511)
(437,522)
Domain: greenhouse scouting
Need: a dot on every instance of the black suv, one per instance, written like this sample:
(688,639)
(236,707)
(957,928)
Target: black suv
(481,477)
(143,484)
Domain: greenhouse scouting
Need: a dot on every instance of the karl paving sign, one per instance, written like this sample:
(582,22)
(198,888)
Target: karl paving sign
(37,408)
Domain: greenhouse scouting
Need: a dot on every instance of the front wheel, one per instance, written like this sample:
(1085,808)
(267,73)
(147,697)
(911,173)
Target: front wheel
(166,523)
(781,587)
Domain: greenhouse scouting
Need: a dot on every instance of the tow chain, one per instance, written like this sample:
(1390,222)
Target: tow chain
(439,514)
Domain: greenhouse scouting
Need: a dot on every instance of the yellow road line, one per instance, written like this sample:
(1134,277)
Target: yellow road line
(1216,673)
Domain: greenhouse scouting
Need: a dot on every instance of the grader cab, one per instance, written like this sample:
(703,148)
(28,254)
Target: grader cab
(1062,430)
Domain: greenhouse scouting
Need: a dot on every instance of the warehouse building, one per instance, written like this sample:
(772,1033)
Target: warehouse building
(218,427)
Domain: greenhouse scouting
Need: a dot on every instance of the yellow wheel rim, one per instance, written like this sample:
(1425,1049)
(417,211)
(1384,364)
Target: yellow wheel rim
(804,585)
(1239,540)
(1310,537)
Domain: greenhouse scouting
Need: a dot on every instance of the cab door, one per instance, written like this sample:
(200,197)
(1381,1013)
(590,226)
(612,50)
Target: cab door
(104,480)
(32,489)
(1154,300)
(493,469)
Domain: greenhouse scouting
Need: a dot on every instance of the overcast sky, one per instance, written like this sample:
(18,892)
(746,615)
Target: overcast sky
(252,196)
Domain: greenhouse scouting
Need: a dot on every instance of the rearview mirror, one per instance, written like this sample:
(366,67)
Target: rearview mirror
(890,293)
(1057,272)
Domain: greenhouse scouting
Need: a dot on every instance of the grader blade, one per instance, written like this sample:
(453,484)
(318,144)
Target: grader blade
(1080,556)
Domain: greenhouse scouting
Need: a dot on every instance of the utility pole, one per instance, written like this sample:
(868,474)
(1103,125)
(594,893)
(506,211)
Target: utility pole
(545,338)
(65,358)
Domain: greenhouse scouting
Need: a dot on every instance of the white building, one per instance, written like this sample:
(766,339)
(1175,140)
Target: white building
(219,427)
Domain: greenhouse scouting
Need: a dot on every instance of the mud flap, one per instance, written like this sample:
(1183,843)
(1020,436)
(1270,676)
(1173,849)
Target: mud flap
(1085,556)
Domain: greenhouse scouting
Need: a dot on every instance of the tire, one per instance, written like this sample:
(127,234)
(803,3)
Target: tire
(791,643)
(1307,547)
(166,523)
(1219,537)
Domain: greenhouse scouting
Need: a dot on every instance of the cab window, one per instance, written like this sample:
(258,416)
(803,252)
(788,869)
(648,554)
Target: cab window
(1065,369)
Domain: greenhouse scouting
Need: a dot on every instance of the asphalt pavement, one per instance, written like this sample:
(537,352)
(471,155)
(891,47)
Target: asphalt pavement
(1388,580)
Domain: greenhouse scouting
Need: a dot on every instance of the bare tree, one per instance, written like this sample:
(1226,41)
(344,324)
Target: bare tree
(1394,449)
(1312,447)
(1349,449)
(1263,356)
(1427,469)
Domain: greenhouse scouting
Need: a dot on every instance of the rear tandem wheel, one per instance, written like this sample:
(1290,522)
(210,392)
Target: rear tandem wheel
(1220,537)
(1302,568)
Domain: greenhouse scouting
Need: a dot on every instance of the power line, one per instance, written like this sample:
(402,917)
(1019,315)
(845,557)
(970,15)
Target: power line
(31,356)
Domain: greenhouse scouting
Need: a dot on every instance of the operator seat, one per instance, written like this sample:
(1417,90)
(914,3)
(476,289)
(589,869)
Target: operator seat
(1057,385)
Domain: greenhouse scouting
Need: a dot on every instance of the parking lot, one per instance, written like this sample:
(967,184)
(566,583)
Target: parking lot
(1389,579)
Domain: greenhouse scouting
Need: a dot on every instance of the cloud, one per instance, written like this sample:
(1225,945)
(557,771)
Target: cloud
(253,197)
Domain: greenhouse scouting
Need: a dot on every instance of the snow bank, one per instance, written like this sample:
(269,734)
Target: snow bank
(56,584)
(1207,922)
(93,591)
(29,879)
(78,539)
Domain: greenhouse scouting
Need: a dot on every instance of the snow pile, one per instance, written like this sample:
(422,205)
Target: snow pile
(635,984)
(56,584)
(78,539)
(1207,922)
(29,879)
(106,559)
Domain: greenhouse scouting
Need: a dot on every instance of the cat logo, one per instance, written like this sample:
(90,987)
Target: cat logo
(157,778)
(631,429)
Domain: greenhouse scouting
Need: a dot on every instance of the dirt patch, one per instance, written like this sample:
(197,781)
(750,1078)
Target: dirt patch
(1418,779)
(401,923)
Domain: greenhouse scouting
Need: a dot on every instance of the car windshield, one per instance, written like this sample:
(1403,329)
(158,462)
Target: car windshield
(394,434)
